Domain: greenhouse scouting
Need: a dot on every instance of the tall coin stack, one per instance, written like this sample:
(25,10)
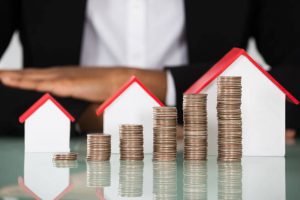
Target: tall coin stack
(164,133)
(131,142)
(229,119)
(195,126)
(98,147)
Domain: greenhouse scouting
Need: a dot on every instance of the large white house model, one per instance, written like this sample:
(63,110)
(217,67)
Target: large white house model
(263,104)
(47,126)
(132,104)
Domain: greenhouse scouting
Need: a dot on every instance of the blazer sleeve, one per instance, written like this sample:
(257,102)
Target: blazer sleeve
(9,11)
(277,34)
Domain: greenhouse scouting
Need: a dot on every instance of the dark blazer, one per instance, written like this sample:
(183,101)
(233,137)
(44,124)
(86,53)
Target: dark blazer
(51,34)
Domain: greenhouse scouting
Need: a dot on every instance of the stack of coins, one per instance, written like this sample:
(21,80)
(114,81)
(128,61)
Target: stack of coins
(131,178)
(131,142)
(164,180)
(64,156)
(194,180)
(229,119)
(195,126)
(98,147)
(98,174)
(164,133)
(230,180)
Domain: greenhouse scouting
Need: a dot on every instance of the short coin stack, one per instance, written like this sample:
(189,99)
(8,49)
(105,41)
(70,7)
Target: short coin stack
(131,142)
(64,156)
(164,133)
(195,126)
(98,147)
(229,119)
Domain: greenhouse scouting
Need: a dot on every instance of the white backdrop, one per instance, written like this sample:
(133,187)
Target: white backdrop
(12,59)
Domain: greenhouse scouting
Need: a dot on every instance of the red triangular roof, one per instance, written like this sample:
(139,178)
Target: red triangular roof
(223,64)
(39,103)
(35,196)
(132,80)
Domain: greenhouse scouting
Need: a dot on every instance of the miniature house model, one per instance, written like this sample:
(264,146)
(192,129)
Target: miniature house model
(42,180)
(132,104)
(263,104)
(47,126)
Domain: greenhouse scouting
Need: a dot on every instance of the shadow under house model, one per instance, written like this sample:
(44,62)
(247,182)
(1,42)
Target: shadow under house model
(263,104)
(132,104)
(47,126)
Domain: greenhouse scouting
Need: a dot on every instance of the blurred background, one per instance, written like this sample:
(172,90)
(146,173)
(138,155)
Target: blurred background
(12,58)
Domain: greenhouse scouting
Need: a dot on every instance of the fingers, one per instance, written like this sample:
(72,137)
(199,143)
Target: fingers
(34,74)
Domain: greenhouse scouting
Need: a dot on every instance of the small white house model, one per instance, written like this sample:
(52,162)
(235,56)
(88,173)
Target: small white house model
(263,104)
(47,126)
(42,180)
(132,104)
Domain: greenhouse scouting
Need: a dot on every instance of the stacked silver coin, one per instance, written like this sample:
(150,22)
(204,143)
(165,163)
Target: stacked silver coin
(229,118)
(131,178)
(164,133)
(194,180)
(131,142)
(64,156)
(230,181)
(164,180)
(98,147)
(98,174)
(195,126)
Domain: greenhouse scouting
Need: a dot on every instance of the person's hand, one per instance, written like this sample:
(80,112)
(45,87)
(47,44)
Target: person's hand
(91,84)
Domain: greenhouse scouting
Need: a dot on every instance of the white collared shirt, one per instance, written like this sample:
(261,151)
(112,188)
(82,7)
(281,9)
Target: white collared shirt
(147,34)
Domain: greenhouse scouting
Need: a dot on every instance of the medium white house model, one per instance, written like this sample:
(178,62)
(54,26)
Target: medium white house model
(263,104)
(42,180)
(47,126)
(132,104)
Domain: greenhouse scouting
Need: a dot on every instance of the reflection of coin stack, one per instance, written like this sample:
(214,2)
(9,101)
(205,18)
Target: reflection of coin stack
(98,173)
(194,180)
(195,126)
(164,133)
(230,180)
(131,142)
(229,119)
(65,163)
(98,147)
(164,180)
(131,178)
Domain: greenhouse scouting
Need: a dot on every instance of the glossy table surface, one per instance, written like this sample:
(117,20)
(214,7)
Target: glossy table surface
(36,176)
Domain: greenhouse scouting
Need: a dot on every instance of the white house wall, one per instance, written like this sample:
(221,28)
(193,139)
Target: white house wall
(47,130)
(263,112)
(134,106)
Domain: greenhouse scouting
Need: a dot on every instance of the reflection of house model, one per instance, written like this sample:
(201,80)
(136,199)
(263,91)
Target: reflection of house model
(42,180)
(47,126)
(263,104)
(132,104)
